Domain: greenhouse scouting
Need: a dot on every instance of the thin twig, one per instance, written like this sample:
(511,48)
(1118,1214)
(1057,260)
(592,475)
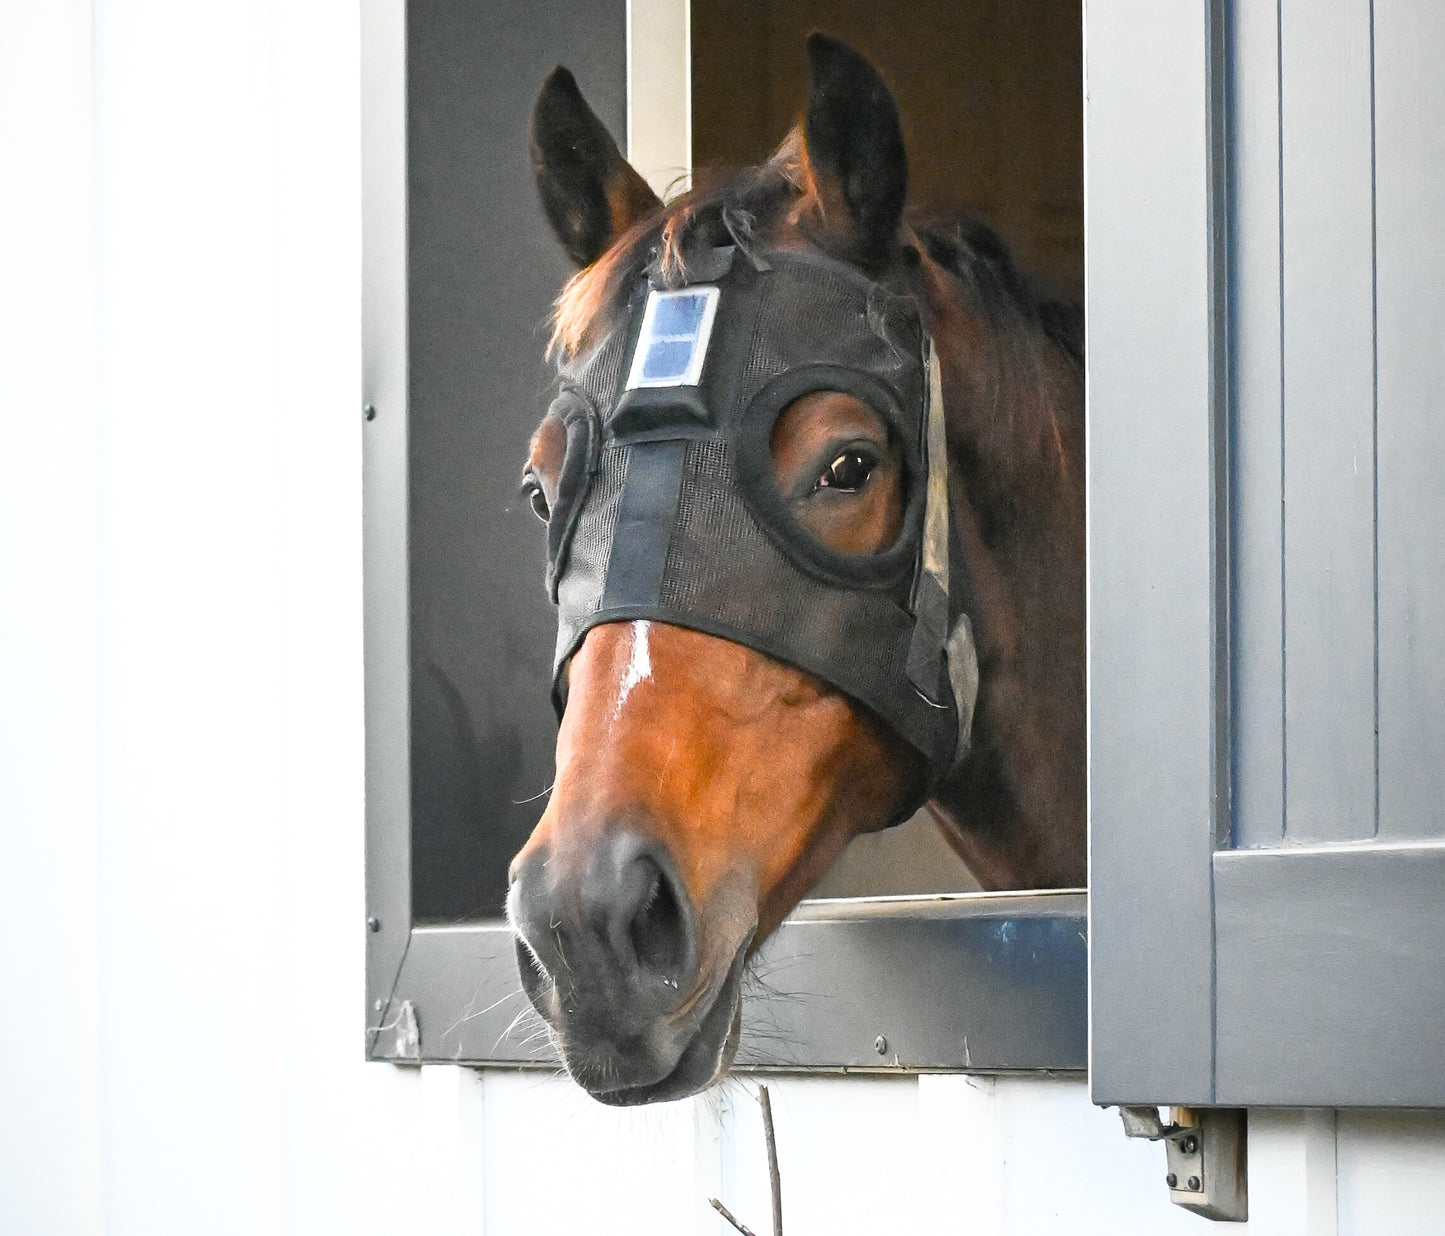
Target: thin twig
(728,1215)
(774,1179)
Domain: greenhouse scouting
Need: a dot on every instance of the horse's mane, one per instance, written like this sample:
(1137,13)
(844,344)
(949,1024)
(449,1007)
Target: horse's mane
(976,255)
(746,207)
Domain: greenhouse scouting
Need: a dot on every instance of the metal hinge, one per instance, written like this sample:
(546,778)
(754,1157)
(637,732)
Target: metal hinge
(1205,1151)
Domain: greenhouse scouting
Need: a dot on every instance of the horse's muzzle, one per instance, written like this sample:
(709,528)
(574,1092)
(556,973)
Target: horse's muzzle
(609,955)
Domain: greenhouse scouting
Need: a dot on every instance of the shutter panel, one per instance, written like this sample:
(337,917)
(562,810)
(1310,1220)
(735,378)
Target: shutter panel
(1267,556)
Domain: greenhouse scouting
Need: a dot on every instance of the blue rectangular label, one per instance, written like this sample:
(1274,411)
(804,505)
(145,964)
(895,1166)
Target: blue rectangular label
(672,344)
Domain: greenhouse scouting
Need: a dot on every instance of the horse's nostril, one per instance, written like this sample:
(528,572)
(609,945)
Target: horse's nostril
(609,941)
(659,934)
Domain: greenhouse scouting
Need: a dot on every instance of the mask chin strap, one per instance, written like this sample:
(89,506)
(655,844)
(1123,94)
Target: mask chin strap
(955,674)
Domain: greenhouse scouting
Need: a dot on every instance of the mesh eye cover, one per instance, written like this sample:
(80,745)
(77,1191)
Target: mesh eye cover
(579,461)
(757,479)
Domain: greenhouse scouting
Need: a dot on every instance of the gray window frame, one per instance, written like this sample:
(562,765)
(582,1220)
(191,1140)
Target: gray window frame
(1279,974)
(967,982)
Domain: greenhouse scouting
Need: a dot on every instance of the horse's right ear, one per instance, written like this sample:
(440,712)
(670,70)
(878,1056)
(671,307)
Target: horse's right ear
(591,194)
(854,145)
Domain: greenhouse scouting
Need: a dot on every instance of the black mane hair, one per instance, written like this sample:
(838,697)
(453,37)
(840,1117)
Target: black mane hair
(977,256)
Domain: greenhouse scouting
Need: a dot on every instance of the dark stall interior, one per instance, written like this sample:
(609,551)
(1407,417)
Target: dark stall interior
(991,96)
(483,270)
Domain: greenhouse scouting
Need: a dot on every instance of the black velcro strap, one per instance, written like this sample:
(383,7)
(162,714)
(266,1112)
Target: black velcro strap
(645,517)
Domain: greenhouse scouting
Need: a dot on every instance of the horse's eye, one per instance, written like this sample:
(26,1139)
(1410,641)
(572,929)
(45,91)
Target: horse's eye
(849,472)
(532,491)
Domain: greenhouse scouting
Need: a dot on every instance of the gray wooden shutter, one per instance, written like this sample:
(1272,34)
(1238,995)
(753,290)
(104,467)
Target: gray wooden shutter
(1266,282)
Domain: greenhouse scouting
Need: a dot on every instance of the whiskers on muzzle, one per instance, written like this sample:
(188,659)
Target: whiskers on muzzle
(767,1038)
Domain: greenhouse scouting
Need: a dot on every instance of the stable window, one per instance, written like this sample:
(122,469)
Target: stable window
(893,948)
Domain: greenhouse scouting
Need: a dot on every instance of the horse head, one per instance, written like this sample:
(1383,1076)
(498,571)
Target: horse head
(751,516)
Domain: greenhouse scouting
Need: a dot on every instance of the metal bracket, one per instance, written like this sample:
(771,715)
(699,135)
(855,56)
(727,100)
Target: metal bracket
(1205,1149)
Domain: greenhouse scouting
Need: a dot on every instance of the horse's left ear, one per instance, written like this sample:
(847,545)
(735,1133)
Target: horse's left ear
(854,145)
(591,194)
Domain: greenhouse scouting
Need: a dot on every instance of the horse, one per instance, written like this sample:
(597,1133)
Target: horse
(704,785)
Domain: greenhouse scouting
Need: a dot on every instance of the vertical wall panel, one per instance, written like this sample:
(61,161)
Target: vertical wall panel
(1388,1174)
(1410,141)
(50,1145)
(191,614)
(1258,454)
(1328,419)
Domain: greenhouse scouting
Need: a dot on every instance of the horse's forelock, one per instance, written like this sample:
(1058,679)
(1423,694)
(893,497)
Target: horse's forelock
(588,297)
(740,205)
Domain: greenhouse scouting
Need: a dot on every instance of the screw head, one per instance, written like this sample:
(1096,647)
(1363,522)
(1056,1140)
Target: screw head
(369,412)
(880,1045)
(1194,1184)
(1189,1144)
(1171,1180)
(373,923)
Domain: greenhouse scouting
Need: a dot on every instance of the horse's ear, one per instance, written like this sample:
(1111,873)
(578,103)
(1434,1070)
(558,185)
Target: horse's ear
(854,145)
(591,194)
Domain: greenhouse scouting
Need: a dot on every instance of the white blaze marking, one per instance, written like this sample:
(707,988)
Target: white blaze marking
(639,665)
